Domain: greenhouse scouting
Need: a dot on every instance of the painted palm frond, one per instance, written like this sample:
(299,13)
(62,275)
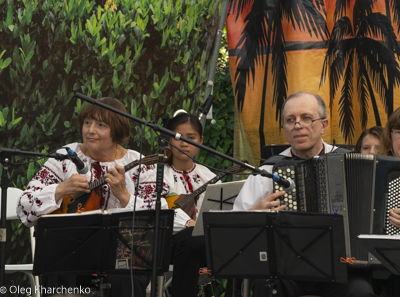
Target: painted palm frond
(395,8)
(366,94)
(363,84)
(381,62)
(373,54)
(237,6)
(372,41)
(279,70)
(265,20)
(305,16)
(361,9)
(346,121)
(340,45)
(249,51)
(341,7)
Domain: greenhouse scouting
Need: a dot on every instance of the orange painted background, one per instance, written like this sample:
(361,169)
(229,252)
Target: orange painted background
(305,55)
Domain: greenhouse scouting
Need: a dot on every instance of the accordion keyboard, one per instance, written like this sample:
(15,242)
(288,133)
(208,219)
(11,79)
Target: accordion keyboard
(392,202)
(290,198)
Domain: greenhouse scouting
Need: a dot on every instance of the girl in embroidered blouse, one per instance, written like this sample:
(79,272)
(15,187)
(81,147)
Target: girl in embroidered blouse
(181,176)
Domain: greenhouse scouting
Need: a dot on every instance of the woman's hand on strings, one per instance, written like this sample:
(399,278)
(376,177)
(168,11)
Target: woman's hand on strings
(115,177)
(75,183)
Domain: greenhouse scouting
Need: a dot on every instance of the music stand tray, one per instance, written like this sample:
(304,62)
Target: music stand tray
(386,248)
(217,197)
(99,242)
(290,245)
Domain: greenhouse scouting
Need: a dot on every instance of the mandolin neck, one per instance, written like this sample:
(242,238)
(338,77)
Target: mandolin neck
(101,181)
(145,161)
(201,189)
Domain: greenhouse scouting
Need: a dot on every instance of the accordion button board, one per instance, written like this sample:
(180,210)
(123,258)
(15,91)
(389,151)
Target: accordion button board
(393,201)
(290,198)
(363,188)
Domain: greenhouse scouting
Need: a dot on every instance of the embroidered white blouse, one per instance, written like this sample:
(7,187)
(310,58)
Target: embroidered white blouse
(175,181)
(38,198)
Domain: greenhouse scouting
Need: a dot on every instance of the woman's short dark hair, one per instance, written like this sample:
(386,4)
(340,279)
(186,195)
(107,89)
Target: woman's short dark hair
(375,131)
(119,125)
(386,139)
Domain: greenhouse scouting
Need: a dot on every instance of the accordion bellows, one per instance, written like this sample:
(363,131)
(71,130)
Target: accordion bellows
(361,187)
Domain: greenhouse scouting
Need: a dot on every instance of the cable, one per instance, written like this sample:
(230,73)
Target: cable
(134,205)
(39,158)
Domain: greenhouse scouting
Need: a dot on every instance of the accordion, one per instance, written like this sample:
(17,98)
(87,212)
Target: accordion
(363,188)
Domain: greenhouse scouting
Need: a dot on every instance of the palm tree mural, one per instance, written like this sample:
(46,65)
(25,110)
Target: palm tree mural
(264,32)
(363,50)
(393,5)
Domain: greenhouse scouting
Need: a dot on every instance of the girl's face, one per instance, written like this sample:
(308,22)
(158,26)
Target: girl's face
(188,131)
(369,145)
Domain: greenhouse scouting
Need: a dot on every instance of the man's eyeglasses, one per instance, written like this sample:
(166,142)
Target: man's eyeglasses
(307,122)
(396,133)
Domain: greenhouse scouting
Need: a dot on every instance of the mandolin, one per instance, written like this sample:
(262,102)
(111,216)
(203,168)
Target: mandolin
(187,202)
(79,202)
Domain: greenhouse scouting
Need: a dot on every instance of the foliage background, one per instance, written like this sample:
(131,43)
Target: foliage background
(153,55)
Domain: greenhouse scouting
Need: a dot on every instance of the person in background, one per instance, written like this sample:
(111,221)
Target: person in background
(103,132)
(181,176)
(369,141)
(390,146)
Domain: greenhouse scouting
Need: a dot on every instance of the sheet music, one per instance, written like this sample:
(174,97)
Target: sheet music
(376,236)
(217,197)
(96,211)
(89,212)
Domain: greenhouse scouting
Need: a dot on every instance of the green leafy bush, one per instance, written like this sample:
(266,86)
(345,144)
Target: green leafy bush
(218,134)
(150,54)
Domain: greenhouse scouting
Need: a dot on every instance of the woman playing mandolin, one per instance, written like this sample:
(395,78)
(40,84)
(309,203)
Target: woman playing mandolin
(103,132)
(181,176)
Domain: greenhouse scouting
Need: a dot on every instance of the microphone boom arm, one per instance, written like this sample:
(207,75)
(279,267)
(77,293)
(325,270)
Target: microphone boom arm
(177,136)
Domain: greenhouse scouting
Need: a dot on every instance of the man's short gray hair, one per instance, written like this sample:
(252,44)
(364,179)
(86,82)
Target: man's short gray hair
(321,103)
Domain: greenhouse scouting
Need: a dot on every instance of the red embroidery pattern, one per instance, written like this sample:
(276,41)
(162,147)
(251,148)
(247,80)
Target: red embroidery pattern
(147,191)
(97,171)
(46,177)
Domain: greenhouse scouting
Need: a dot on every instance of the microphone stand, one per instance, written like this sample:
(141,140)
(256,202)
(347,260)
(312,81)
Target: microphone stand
(178,136)
(159,187)
(6,155)
(160,172)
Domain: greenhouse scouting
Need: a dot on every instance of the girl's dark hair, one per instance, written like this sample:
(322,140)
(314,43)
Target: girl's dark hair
(119,125)
(375,131)
(183,118)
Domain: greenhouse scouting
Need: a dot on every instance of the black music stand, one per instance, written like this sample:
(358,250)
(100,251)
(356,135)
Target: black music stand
(98,243)
(217,197)
(386,248)
(289,245)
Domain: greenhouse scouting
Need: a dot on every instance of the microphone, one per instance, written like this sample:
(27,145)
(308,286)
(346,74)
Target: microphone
(287,184)
(80,166)
(205,108)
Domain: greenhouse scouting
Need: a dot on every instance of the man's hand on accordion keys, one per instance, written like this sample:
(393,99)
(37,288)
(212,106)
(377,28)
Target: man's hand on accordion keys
(271,202)
(394,217)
